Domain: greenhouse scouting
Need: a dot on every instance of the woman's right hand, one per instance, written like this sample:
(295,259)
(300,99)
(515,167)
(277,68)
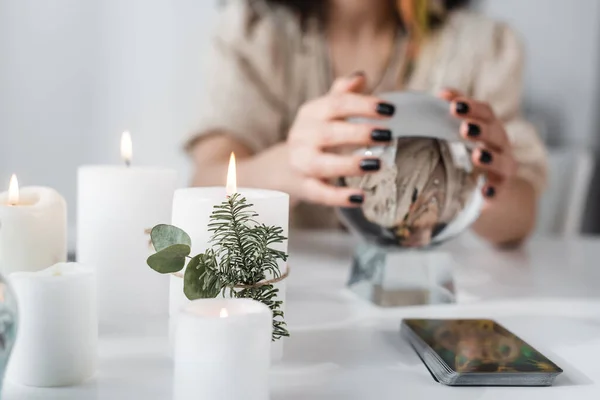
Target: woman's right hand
(321,127)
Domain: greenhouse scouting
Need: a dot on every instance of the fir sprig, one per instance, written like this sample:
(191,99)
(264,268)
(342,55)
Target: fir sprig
(240,260)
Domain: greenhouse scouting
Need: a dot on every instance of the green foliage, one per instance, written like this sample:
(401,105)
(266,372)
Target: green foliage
(164,236)
(200,282)
(170,259)
(240,260)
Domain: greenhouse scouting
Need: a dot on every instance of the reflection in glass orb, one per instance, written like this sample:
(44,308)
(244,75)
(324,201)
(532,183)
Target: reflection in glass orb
(426,192)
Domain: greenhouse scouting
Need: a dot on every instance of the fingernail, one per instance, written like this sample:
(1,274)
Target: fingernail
(485,157)
(357,199)
(356,74)
(473,130)
(462,108)
(370,164)
(386,109)
(381,135)
(490,192)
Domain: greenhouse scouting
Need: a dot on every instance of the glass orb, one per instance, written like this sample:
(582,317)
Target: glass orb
(8,324)
(427,190)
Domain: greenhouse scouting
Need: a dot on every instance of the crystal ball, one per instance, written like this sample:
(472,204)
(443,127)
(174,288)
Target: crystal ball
(427,190)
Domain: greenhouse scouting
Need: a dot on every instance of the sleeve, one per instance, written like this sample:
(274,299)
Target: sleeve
(244,78)
(499,82)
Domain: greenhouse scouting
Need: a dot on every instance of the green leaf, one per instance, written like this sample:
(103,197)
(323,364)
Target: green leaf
(164,236)
(195,275)
(170,259)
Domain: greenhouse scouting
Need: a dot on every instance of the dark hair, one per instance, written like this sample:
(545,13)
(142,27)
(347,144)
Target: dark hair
(306,9)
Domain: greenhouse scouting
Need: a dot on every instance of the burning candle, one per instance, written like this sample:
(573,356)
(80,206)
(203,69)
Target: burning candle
(13,191)
(192,208)
(222,350)
(33,228)
(117,206)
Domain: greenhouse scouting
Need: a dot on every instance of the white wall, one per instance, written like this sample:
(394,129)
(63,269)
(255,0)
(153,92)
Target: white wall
(75,74)
(45,91)
(563,69)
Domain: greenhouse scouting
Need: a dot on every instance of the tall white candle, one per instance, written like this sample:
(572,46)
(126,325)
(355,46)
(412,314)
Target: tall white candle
(33,228)
(117,207)
(222,350)
(58,326)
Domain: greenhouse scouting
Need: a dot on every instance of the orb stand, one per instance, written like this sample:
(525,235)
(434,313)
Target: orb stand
(392,277)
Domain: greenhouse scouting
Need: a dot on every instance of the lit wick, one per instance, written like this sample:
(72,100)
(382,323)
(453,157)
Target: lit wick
(231,187)
(13,191)
(126,148)
(223,313)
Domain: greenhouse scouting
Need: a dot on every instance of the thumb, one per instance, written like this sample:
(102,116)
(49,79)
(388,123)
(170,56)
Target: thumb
(449,94)
(354,83)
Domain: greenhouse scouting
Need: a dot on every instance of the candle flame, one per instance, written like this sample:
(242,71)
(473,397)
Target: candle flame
(126,147)
(13,191)
(231,176)
(223,313)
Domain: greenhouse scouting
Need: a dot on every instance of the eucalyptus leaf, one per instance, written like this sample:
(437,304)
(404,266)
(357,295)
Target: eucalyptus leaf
(164,236)
(194,278)
(170,259)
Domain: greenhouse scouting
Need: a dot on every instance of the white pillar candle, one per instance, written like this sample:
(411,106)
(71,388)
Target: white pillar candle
(58,326)
(33,228)
(117,208)
(192,208)
(222,350)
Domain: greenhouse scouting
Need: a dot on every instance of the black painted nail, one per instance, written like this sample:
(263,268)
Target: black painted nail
(386,109)
(357,199)
(490,192)
(462,108)
(473,130)
(437,229)
(370,164)
(485,157)
(381,135)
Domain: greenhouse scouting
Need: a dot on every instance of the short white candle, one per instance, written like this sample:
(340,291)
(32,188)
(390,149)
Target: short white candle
(222,350)
(192,208)
(117,207)
(33,228)
(58,326)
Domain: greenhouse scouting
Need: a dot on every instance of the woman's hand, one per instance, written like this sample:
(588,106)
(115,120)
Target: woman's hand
(321,127)
(480,125)
(509,214)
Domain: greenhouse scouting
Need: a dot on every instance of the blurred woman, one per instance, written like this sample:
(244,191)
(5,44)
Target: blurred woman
(285,75)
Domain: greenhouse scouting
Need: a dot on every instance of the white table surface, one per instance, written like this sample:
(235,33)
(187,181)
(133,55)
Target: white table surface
(344,348)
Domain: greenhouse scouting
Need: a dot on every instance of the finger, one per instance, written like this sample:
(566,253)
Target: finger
(345,105)
(449,94)
(463,107)
(352,83)
(328,165)
(492,135)
(495,164)
(317,191)
(492,188)
(339,133)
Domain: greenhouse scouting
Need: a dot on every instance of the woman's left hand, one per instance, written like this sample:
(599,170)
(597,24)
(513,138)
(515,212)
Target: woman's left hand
(493,155)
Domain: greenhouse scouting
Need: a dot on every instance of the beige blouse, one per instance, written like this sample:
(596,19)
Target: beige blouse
(263,67)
